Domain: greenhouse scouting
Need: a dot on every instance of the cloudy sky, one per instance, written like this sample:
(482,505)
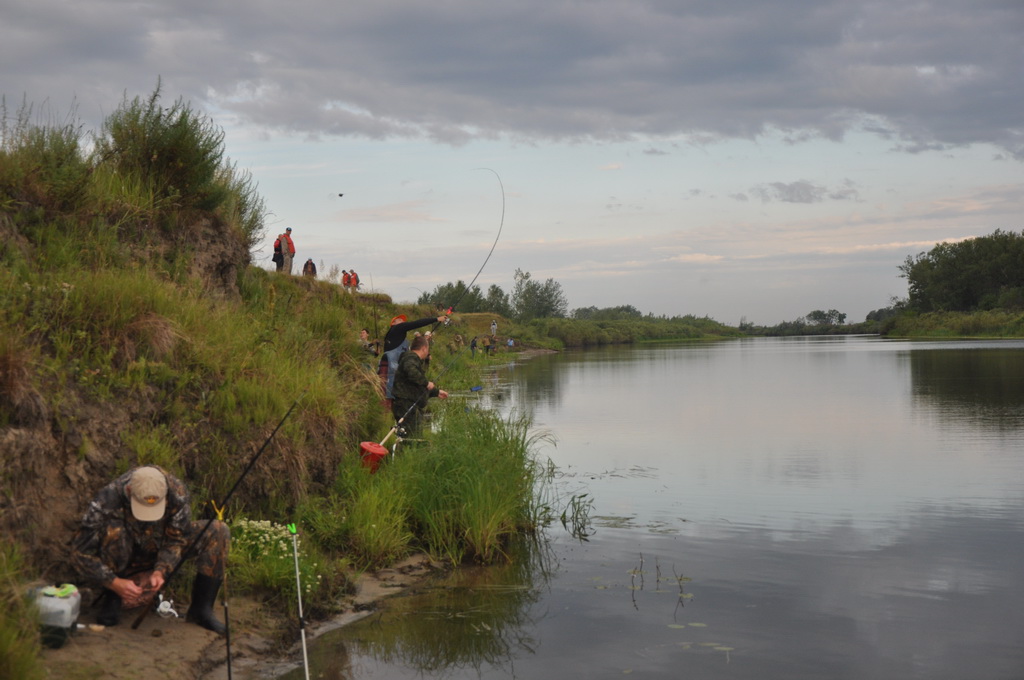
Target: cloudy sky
(741,159)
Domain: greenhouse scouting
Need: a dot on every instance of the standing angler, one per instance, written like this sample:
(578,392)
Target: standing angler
(412,389)
(394,344)
(135,532)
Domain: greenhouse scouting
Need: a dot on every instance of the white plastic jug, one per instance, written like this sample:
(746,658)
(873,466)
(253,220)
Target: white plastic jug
(58,612)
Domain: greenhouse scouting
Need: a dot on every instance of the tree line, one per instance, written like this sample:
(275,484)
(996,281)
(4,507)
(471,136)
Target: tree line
(976,274)
(529,299)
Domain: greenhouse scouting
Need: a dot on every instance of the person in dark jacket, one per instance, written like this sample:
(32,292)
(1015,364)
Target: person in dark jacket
(134,533)
(395,344)
(412,388)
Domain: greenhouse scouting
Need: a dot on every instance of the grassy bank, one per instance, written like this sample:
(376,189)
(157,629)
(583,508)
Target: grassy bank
(984,324)
(136,330)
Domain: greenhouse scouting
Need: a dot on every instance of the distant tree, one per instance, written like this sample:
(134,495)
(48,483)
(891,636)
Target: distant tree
(448,294)
(533,300)
(895,308)
(620,313)
(986,272)
(497,301)
(829,318)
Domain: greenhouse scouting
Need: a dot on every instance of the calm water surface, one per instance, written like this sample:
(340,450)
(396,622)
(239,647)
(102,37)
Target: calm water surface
(764,508)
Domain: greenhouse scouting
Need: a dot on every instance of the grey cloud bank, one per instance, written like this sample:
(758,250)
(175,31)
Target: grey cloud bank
(734,158)
(928,75)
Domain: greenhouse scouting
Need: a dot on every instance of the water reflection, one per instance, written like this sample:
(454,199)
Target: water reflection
(982,386)
(474,618)
(845,508)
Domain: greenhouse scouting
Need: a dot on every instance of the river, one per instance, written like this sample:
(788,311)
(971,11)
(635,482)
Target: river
(816,507)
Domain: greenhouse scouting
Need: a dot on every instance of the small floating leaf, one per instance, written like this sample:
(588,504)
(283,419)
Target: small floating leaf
(699,625)
(724,649)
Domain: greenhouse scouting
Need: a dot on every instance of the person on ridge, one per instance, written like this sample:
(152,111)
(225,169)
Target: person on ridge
(134,533)
(287,251)
(395,343)
(346,280)
(412,389)
(309,269)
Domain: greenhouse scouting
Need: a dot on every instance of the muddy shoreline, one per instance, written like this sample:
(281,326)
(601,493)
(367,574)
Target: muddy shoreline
(172,649)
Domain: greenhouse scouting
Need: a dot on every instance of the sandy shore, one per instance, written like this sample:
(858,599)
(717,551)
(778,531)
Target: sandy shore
(170,649)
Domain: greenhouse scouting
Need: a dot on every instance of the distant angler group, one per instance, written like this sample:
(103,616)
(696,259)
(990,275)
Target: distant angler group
(284,255)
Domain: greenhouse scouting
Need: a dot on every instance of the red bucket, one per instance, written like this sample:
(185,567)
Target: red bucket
(372,454)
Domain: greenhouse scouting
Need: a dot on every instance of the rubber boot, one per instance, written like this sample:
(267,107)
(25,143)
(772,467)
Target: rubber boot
(110,609)
(200,610)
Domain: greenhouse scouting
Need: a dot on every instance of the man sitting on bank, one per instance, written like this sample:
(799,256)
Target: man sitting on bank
(133,535)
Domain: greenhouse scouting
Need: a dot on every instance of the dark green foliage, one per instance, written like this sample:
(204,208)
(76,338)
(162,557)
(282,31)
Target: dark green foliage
(622,312)
(584,333)
(175,151)
(976,274)
(449,294)
(243,204)
(895,308)
(829,318)
(497,301)
(534,300)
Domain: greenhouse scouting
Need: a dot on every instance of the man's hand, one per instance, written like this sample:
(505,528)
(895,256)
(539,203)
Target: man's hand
(442,395)
(430,386)
(156,580)
(126,589)
(134,594)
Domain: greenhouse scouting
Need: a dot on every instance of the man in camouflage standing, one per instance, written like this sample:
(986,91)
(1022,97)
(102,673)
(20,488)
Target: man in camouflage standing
(412,389)
(133,535)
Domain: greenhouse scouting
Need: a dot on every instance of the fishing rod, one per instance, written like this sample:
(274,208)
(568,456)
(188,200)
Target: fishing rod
(374,448)
(195,541)
(298,590)
(501,225)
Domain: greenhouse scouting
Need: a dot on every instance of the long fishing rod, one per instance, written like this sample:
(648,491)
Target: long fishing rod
(298,590)
(195,541)
(501,225)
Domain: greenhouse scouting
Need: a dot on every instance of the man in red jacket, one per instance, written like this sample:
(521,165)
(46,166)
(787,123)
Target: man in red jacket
(287,250)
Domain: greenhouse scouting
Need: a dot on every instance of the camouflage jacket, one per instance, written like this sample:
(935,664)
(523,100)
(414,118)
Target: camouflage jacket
(161,543)
(411,380)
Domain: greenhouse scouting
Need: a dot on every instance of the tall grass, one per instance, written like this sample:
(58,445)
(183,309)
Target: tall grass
(19,636)
(465,494)
(41,165)
(990,323)
(175,151)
